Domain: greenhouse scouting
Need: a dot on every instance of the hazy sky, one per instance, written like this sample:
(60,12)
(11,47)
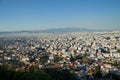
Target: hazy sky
(47,14)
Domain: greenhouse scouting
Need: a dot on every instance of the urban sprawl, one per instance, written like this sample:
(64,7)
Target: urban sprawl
(81,52)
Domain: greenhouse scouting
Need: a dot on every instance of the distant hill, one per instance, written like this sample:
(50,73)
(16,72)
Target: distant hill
(56,30)
(67,30)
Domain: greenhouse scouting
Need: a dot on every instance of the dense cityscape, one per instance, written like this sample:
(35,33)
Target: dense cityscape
(60,56)
(59,39)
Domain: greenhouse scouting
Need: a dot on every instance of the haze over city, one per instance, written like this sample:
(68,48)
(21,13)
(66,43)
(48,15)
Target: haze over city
(17,15)
(59,39)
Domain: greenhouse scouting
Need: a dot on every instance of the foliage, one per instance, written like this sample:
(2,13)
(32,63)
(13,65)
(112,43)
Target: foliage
(44,58)
(118,51)
(85,60)
(97,72)
(57,59)
(35,74)
(115,63)
(72,59)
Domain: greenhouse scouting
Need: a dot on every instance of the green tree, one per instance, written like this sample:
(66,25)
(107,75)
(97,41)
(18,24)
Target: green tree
(72,59)
(115,63)
(85,60)
(97,72)
(44,58)
(118,51)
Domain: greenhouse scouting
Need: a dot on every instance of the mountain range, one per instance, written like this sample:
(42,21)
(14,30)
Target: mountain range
(55,30)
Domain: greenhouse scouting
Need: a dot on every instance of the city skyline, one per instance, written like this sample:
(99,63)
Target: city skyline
(48,14)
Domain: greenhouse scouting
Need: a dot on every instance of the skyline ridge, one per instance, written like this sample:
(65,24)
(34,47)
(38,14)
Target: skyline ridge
(57,30)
